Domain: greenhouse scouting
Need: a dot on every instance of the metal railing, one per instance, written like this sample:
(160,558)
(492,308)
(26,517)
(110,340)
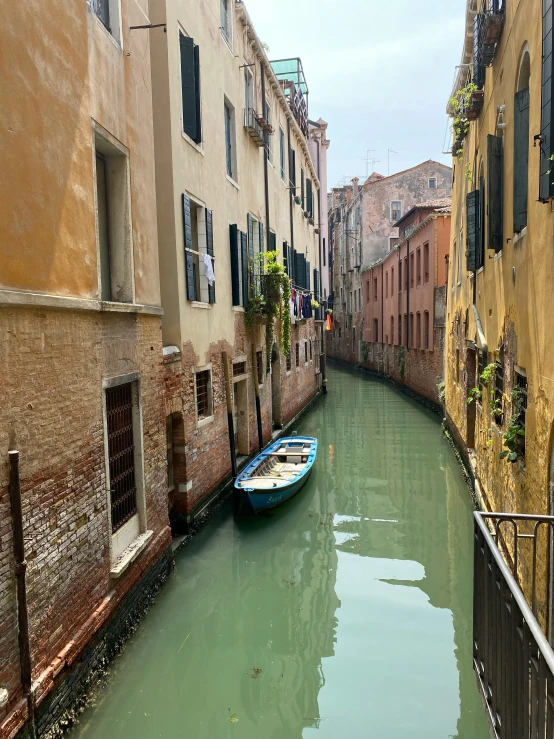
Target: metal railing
(513,660)
(254,127)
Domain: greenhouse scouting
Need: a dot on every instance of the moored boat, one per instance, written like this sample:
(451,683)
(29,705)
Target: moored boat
(278,473)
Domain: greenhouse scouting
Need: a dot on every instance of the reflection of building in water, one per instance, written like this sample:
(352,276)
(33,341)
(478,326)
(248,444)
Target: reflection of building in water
(292,627)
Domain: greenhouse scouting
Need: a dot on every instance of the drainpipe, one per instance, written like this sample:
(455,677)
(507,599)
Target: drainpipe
(20,571)
(291,207)
(480,332)
(266,177)
(230,424)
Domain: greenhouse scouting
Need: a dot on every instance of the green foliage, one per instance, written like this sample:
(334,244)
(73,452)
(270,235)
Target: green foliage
(441,387)
(474,394)
(460,104)
(315,304)
(365,351)
(271,300)
(514,437)
(401,361)
(469,172)
(488,374)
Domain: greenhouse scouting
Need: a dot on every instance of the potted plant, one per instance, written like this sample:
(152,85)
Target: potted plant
(271,300)
(305,214)
(315,304)
(311,221)
(316,230)
(494,23)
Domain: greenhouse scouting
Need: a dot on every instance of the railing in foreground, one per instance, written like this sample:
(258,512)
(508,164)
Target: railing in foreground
(512,658)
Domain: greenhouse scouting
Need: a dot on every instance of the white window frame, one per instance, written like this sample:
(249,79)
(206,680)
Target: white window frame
(233,140)
(226,28)
(200,422)
(114,11)
(394,220)
(432,179)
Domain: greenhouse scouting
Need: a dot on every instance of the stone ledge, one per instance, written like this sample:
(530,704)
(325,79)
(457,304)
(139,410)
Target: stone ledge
(3,698)
(130,554)
(64,302)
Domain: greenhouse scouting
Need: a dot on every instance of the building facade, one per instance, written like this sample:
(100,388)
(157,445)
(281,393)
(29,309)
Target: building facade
(362,230)
(234,180)
(318,145)
(404,302)
(80,321)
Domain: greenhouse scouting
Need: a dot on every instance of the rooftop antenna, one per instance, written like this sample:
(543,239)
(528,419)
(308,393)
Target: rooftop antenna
(373,163)
(367,161)
(389,152)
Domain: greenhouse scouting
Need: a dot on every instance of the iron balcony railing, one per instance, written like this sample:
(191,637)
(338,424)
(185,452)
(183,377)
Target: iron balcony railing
(254,126)
(512,657)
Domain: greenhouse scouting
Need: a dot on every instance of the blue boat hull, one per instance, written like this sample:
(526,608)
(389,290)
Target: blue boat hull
(254,489)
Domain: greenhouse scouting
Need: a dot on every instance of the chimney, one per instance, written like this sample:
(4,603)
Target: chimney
(355,181)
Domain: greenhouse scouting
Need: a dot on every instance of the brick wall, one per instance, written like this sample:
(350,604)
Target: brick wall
(53,363)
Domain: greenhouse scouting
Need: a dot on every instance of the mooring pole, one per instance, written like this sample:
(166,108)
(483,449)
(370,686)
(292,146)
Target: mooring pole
(257,392)
(229,398)
(20,572)
(322,366)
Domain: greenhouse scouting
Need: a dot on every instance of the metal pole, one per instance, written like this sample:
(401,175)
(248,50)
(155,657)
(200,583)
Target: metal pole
(322,365)
(257,392)
(229,398)
(266,151)
(20,570)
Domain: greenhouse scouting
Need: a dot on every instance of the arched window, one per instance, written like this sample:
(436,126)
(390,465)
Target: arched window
(521,141)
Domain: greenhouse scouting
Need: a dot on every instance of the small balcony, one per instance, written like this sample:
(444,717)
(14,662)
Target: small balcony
(290,74)
(512,657)
(254,126)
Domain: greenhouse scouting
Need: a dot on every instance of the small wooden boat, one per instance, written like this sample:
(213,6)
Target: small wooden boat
(277,473)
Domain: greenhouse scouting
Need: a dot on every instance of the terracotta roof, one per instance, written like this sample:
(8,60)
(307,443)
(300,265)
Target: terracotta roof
(441,204)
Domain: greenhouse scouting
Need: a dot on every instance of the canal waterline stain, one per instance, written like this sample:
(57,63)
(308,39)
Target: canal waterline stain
(344,613)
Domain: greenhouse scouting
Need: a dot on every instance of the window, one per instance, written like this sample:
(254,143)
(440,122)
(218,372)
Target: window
(375,289)
(406,328)
(239,266)
(546,189)
(418,267)
(109,14)
(411,335)
(101,9)
(282,156)
(354,339)
(395,210)
(292,171)
(198,238)
(359,298)
(519,407)
(521,144)
(480,369)
(426,329)
(400,276)
(425,263)
(113,215)
(239,368)
(302,193)
(260,367)
(392,329)
(400,330)
(121,452)
(267,135)
(190,88)
(204,401)
(386,284)
(405,273)
(375,329)
(225,19)
(230,147)
(392,281)
(498,394)
(311,351)
(368,292)
(324,252)
(412,270)
(289,362)
(309,198)
(169,452)
(297,354)
(418,330)
(248,92)
(432,183)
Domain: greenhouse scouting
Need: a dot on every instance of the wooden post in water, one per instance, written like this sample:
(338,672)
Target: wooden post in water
(20,571)
(229,398)
(257,391)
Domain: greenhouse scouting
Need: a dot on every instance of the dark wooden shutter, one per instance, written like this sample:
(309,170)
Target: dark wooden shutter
(300,269)
(521,158)
(244,266)
(472,215)
(198,136)
(317,286)
(307,284)
(292,170)
(250,229)
(261,236)
(309,198)
(210,250)
(302,187)
(272,241)
(495,191)
(286,257)
(478,43)
(292,273)
(546,186)
(189,258)
(235,263)
(188,86)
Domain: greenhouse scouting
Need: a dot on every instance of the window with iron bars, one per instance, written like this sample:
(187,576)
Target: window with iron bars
(498,395)
(298,355)
(121,454)
(239,368)
(521,386)
(101,9)
(480,369)
(289,361)
(203,394)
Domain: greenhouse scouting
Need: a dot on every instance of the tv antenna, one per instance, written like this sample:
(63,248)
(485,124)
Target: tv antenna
(389,152)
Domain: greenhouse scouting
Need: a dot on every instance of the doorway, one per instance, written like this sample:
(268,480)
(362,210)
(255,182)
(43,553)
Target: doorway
(276,396)
(240,416)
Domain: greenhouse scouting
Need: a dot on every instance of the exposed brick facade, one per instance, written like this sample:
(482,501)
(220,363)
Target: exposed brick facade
(53,366)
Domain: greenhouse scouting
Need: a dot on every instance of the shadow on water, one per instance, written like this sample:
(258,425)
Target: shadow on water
(346,611)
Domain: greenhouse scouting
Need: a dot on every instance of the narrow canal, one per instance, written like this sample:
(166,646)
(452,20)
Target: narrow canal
(346,613)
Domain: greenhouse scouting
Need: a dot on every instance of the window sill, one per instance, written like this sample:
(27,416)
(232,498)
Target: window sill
(232,181)
(520,236)
(480,271)
(238,309)
(192,143)
(198,304)
(43,300)
(204,422)
(497,257)
(228,41)
(129,554)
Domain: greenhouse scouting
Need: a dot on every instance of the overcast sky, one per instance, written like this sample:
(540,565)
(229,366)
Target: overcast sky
(380,73)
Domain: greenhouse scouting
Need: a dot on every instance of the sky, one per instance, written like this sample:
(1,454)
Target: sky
(379,72)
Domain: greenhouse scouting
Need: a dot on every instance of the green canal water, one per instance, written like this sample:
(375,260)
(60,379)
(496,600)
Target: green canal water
(345,613)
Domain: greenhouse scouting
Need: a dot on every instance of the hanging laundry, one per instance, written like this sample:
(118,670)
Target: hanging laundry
(329,323)
(209,269)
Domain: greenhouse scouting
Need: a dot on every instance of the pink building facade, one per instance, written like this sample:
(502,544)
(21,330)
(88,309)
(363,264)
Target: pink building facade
(404,302)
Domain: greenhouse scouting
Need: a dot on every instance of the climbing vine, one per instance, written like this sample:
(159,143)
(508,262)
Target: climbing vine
(269,298)
(514,437)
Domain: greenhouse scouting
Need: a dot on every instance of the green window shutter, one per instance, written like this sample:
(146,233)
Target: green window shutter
(309,198)
(292,253)
(272,241)
(286,257)
(261,236)
(472,216)
(198,137)
(480,228)
(250,229)
(308,277)
(188,86)
(478,44)
(316,285)
(189,258)
(210,251)
(292,170)
(302,187)
(299,271)
(521,158)
(235,263)
(495,191)
(546,188)
(244,268)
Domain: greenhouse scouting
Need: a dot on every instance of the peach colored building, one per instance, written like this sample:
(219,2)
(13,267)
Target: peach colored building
(404,301)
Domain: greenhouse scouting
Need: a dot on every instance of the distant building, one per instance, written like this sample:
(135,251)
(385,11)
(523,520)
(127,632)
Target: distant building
(318,144)
(362,230)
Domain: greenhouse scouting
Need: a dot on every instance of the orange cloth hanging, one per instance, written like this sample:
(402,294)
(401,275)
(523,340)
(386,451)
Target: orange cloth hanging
(329,322)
